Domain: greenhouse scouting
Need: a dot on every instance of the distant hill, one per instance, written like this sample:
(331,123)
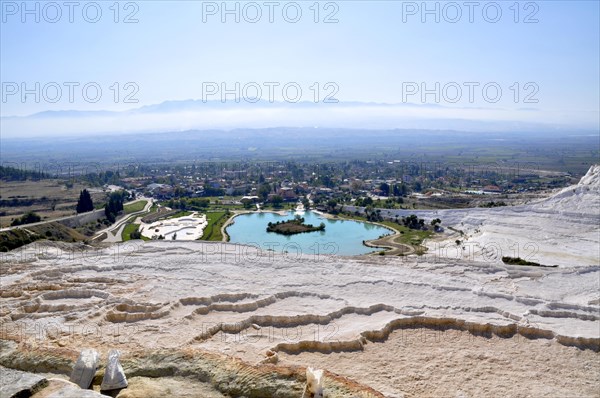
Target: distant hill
(194,114)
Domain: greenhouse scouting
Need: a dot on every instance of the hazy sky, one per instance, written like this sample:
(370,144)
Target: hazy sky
(377,51)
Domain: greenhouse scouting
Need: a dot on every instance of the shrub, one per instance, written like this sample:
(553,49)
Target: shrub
(27,218)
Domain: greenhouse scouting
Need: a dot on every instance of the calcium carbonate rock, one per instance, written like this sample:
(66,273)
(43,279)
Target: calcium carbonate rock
(314,382)
(15,383)
(114,377)
(74,392)
(85,368)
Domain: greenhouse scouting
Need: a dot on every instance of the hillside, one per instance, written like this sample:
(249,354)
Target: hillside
(54,231)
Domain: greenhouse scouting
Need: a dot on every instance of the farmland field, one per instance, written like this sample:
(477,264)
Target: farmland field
(48,198)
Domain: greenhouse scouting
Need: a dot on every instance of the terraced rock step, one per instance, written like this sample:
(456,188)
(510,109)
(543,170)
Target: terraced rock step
(217,374)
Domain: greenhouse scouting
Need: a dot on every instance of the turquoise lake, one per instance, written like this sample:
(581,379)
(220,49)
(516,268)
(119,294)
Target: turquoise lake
(342,237)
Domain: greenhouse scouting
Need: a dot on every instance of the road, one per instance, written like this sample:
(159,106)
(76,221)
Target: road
(44,222)
(113,233)
(115,227)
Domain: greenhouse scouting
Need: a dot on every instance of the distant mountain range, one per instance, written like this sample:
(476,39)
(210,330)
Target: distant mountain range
(196,114)
(199,105)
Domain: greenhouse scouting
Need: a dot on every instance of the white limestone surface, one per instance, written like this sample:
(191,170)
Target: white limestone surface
(175,294)
(562,230)
(189,227)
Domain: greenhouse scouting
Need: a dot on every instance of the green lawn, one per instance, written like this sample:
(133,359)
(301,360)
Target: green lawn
(214,206)
(215,222)
(182,213)
(411,237)
(137,206)
(128,230)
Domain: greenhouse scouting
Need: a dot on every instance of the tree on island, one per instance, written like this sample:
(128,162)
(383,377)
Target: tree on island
(84,204)
(293,226)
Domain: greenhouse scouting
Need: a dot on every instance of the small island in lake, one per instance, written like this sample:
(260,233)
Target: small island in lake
(295,226)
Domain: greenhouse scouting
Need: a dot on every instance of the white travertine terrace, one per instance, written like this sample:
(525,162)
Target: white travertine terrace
(559,230)
(188,227)
(179,293)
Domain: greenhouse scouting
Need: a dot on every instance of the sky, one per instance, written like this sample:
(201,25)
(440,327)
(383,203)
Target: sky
(530,61)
